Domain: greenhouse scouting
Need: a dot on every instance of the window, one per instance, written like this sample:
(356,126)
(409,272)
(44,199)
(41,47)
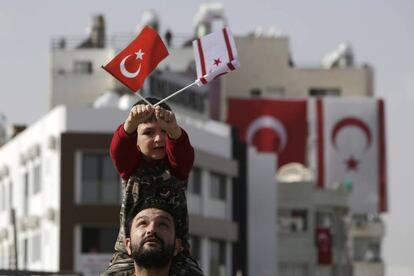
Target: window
(217,258)
(36,248)
(291,221)
(10,195)
(26,193)
(194,181)
(218,186)
(324,92)
(255,92)
(37,185)
(25,253)
(195,243)
(98,240)
(82,67)
(99,181)
(1,256)
(3,196)
(367,250)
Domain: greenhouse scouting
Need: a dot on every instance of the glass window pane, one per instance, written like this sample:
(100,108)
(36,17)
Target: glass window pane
(90,166)
(90,240)
(36,248)
(3,197)
(26,193)
(218,186)
(195,243)
(98,239)
(108,238)
(217,258)
(90,178)
(194,181)
(110,182)
(90,191)
(36,179)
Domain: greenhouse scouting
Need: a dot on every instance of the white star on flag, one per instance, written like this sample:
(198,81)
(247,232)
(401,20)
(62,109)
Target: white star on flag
(139,54)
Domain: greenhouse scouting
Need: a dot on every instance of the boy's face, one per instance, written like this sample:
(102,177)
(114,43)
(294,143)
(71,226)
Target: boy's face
(151,140)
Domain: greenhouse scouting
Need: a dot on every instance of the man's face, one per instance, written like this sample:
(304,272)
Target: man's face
(151,140)
(152,243)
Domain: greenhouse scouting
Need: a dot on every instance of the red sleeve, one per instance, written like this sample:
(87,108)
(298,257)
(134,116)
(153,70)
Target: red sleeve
(180,155)
(124,152)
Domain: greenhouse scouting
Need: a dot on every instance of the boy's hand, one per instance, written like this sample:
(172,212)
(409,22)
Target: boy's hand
(138,114)
(167,122)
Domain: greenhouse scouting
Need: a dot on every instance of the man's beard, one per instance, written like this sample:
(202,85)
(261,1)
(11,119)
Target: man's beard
(152,257)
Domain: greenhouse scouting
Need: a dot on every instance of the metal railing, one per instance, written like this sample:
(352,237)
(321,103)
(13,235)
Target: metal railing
(116,41)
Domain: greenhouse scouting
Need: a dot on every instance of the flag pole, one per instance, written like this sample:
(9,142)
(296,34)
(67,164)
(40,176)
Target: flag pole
(175,93)
(145,100)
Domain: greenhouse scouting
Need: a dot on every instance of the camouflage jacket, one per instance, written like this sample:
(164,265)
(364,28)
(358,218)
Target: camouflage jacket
(150,183)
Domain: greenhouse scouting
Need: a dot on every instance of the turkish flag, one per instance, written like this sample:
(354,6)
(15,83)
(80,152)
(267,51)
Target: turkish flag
(350,135)
(324,245)
(134,63)
(272,125)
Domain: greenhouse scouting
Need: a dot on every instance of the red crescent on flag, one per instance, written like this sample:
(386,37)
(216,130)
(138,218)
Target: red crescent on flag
(350,121)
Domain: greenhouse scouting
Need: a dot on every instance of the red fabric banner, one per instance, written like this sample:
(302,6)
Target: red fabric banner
(134,63)
(271,125)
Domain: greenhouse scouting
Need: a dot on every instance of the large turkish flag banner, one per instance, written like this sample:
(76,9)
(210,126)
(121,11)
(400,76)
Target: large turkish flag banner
(272,125)
(134,63)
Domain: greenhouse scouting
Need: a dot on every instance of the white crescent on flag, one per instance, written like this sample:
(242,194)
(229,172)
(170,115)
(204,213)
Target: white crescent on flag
(215,54)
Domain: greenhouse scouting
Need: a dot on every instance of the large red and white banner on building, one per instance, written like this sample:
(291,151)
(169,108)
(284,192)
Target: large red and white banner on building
(272,125)
(350,137)
(215,54)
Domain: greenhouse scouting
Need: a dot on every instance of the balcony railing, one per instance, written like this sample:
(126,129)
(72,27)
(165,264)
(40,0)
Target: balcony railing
(116,41)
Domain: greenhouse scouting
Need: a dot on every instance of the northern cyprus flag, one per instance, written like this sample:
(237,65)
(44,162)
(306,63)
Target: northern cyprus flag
(351,150)
(215,55)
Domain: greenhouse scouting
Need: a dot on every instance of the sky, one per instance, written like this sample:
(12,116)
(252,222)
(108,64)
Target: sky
(380,32)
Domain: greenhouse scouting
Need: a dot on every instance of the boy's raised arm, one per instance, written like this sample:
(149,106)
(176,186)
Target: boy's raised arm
(124,152)
(180,155)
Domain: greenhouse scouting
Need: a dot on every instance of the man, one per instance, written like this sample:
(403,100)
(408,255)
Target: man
(150,239)
(151,224)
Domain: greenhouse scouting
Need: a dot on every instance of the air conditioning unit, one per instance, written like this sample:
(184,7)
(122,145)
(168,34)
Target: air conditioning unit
(32,222)
(51,215)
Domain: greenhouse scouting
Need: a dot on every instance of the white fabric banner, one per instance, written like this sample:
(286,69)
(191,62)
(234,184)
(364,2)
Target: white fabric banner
(215,54)
(351,150)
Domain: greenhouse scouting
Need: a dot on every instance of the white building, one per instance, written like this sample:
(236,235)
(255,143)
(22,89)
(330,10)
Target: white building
(58,177)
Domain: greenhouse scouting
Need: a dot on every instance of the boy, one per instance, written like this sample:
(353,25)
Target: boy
(151,151)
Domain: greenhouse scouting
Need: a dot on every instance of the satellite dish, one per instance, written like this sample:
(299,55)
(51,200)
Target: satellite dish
(341,57)
(108,99)
(149,17)
(293,172)
(207,15)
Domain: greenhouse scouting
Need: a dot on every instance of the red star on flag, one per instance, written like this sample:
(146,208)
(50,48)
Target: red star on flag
(217,61)
(352,164)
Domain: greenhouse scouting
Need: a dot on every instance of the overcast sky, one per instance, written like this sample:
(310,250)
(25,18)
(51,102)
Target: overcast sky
(380,32)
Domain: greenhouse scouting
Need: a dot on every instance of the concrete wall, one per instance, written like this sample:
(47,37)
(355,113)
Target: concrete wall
(261,216)
(71,88)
